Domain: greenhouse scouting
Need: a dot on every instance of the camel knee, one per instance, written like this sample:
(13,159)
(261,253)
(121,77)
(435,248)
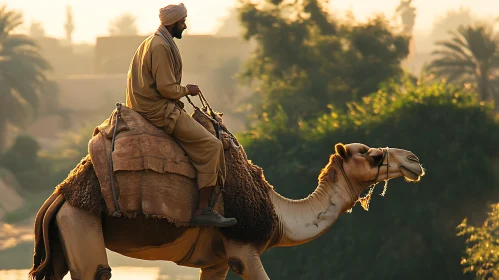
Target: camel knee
(103,272)
(244,260)
(236,265)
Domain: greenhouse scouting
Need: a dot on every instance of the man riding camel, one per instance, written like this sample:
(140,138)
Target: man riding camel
(154,90)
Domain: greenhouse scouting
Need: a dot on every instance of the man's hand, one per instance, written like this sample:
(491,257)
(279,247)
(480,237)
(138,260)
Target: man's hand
(193,90)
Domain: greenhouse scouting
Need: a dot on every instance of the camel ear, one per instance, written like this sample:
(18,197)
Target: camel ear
(341,150)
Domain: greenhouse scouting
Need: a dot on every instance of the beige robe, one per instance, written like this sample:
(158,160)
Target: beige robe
(152,87)
(154,90)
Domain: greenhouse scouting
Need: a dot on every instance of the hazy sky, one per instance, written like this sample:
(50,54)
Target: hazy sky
(92,17)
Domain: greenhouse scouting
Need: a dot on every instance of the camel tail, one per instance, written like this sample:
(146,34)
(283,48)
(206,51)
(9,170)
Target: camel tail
(42,261)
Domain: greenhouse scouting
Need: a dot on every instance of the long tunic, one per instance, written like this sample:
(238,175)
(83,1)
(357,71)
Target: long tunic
(152,87)
(153,90)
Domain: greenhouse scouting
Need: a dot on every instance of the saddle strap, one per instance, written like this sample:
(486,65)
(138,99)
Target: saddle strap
(117,211)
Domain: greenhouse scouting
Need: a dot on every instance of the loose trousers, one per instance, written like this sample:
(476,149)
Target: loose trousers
(203,148)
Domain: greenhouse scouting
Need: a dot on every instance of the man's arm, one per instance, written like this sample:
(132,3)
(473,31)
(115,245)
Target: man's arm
(162,72)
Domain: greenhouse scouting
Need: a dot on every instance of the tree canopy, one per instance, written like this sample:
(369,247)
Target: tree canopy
(305,59)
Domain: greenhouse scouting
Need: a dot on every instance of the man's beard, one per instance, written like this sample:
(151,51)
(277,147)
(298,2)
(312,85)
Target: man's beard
(176,32)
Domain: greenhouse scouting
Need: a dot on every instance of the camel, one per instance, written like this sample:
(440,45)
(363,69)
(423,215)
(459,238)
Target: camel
(71,239)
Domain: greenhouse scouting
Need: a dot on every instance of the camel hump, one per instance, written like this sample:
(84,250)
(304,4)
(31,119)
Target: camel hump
(152,173)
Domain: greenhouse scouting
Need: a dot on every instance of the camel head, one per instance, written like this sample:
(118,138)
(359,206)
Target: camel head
(365,165)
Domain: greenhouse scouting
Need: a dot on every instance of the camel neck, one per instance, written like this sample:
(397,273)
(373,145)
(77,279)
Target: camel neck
(305,219)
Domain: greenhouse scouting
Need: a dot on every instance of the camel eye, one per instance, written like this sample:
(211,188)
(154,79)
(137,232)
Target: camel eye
(377,158)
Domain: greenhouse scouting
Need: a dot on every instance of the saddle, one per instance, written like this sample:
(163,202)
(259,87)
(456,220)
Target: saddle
(143,170)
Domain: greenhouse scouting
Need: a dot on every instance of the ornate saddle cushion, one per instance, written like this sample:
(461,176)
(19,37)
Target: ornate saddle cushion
(152,173)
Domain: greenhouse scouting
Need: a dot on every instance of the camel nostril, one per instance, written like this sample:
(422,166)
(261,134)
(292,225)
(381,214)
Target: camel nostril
(412,158)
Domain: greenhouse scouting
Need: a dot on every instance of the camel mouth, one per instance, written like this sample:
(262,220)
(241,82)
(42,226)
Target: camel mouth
(411,175)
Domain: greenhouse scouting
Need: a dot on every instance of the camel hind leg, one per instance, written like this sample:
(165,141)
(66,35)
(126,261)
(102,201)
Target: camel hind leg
(83,243)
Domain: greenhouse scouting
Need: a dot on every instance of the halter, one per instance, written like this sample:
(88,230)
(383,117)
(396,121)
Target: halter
(351,190)
(385,155)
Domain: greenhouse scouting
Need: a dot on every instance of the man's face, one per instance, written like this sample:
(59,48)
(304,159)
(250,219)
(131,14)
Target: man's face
(178,28)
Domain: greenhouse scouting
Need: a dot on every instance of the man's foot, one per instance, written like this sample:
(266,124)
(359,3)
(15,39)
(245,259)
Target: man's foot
(210,217)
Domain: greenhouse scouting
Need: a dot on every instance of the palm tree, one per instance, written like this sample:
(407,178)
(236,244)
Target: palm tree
(22,74)
(471,55)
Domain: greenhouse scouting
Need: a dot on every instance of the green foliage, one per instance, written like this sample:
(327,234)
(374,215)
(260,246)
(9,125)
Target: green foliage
(72,148)
(482,255)
(305,59)
(33,201)
(39,172)
(411,232)
(23,161)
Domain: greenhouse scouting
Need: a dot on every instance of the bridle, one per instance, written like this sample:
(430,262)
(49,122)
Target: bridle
(385,155)
(352,191)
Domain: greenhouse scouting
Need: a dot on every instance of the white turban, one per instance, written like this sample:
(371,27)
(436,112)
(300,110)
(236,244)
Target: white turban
(172,13)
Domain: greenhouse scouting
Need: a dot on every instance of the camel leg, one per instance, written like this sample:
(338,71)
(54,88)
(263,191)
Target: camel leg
(83,243)
(216,272)
(244,260)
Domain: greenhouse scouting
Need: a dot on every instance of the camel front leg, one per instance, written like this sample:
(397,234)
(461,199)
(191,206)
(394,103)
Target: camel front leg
(216,272)
(83,243)
(244,260)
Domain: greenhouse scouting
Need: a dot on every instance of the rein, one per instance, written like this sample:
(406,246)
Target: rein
(352,191)
(213,119)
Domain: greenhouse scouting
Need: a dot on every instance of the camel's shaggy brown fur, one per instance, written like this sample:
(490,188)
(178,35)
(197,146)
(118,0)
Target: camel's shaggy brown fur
(247,199)
(81,188)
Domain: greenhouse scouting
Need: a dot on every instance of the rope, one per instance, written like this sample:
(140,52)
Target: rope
(203,100)
(116,212)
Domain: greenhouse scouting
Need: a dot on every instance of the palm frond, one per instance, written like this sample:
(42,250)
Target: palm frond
(9,20)
(455,49)
(18,110)
(18,41)
(470,55)
(22,70)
